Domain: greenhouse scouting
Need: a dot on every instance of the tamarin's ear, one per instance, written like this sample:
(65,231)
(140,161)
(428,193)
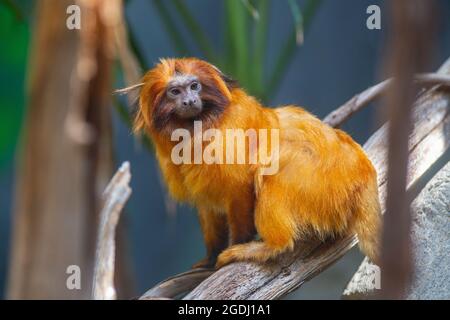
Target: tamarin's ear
(230,82)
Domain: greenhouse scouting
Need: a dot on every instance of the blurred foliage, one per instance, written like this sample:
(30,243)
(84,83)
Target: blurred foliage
(245,35)
(15,35)
(245,39)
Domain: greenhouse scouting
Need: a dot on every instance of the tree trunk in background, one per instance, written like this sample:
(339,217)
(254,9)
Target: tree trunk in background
(66,159)
(409,49)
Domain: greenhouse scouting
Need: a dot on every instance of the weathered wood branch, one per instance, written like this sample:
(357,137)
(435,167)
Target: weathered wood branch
(114,198)
(245,280)
(363,99)
(430,243)
(178,284)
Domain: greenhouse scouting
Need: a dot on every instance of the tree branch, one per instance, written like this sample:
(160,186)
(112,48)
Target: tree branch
(115,196)
(363,99)
(178,284)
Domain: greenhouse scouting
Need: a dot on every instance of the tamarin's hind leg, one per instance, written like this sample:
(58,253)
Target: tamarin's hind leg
(241,221)
(276,229)
(215,232)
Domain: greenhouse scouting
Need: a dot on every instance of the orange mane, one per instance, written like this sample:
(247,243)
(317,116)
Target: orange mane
(157,79)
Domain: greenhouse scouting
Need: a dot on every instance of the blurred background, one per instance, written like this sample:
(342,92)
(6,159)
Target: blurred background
(316,54)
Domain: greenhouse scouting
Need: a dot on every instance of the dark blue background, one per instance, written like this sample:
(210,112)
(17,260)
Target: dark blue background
(339,58)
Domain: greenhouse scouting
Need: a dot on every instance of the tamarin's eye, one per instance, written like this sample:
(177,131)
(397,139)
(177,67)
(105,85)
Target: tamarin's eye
(175,92)
(195,86)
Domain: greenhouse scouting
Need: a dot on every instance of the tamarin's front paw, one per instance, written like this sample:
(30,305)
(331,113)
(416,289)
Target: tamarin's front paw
(230,255)
(256,251)
(207,263)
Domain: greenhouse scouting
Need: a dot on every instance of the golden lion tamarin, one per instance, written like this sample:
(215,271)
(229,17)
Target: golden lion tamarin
(324,186)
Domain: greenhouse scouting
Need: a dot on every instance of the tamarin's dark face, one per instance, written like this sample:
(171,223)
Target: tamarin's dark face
(184,91)
(178,92)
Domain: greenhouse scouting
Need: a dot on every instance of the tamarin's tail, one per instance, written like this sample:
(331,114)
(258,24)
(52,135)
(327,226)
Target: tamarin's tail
(367,225)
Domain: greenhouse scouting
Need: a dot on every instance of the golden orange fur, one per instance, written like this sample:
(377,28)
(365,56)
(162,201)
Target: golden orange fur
(326,186)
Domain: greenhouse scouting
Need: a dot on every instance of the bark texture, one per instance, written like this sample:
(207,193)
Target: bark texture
(65,160)
(430,243)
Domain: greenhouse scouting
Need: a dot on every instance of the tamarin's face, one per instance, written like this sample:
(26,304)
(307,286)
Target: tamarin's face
(178,92)
(183,92)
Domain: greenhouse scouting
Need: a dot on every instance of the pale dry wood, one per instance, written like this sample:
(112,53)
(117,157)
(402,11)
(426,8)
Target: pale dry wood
(114,198)
(177,285)
(245,280)
(363,99)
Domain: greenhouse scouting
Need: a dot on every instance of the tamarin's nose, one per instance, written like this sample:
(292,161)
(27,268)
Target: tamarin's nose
(189,102)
